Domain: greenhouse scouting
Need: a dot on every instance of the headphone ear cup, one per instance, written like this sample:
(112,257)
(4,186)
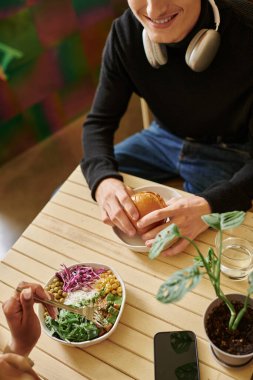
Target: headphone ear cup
(155,53)
(160,53)
(202,49)
(149,49)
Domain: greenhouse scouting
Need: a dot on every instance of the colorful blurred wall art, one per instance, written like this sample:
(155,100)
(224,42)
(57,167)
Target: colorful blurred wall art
(50,54)
(7,54)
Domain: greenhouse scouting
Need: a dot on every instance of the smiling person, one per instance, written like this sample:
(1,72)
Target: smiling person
(191,60)
(25,331)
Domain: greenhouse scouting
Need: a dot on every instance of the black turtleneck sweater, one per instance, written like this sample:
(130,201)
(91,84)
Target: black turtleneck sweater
(216,102)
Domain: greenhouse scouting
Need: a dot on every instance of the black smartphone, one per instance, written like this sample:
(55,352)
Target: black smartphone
(176,356)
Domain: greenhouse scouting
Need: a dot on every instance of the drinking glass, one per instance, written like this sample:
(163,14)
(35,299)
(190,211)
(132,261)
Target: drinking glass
(236,257)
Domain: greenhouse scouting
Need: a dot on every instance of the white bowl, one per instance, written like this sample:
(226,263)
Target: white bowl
(135,243)
(100,338)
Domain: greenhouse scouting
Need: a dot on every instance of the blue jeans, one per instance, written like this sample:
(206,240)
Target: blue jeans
(158,155)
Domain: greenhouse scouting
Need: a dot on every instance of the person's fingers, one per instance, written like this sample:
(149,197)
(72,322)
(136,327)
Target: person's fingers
(28,300)
(126,202)
(17,361)
(171,201)
(129,190)
(10,308)
(176,248)
(105,218)
(153,217)
(113,210)
(30,376)
(16,367)
(194,206)
(39,291)
(151,234)
(43,294)
(181,244)
(114,198)
(120,219)
(8,372)
(149,243)
(52,311)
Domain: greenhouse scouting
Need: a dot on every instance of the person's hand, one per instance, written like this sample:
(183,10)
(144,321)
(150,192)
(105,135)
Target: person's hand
(23,322)
(114,200)
(16,367)
(185,213)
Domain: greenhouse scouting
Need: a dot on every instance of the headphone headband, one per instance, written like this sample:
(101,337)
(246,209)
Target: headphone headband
(216,14)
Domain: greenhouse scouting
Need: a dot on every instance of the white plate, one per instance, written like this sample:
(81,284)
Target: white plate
(135,243)
(100,338)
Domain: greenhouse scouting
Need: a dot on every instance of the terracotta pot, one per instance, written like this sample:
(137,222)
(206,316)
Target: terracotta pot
(223,357)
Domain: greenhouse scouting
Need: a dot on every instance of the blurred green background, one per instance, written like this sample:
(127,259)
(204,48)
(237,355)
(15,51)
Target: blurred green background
(55,80)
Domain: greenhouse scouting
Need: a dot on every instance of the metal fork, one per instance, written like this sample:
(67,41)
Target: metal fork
(89,312)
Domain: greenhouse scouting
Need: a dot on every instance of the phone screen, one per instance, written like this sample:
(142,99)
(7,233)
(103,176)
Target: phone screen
(176,356)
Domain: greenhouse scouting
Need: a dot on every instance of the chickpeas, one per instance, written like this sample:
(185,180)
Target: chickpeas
(55,288)
(119,289)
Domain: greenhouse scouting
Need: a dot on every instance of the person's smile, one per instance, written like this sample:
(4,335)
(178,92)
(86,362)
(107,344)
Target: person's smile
(166,21)
(163,21)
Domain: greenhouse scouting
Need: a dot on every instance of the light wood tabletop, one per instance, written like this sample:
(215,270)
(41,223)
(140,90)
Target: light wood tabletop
(69,230)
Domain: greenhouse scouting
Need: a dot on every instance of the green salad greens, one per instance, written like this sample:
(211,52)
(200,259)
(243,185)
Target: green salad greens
(71,327)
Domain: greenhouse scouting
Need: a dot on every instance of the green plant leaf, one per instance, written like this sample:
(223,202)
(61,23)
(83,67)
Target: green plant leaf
(178,284)
(211,260)
(224,221)
(212,220)
(183,281)
(198,261)
(164,239)
(231,219)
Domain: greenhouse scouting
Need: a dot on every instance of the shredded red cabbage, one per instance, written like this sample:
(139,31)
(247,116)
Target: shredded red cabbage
(78,277)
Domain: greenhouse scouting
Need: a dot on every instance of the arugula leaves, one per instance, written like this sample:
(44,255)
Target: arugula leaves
(71,327)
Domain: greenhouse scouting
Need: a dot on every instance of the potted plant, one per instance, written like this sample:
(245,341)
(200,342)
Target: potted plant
(228,320)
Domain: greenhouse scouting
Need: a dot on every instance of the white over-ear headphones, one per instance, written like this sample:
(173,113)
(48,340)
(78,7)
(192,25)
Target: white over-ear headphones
(200,52)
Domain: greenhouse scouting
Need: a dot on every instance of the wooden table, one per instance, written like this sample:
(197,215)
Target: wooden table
(68,230)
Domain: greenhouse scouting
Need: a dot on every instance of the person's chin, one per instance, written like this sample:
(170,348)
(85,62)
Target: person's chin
(171,37)
(165,40)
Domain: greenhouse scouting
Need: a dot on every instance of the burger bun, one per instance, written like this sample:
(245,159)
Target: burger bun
(146,202)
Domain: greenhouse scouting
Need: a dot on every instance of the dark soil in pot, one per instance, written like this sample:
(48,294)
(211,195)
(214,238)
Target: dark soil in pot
(238,342)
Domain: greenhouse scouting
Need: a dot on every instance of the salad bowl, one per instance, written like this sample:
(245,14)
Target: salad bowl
(80,285)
